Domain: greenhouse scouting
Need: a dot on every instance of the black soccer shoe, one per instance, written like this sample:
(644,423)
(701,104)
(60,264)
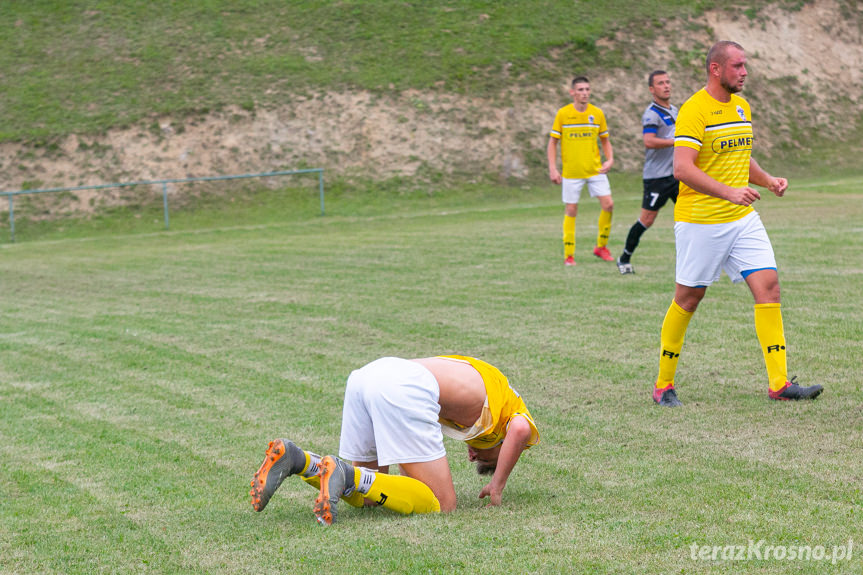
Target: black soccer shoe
(666,397)
(792,391)
(282,460)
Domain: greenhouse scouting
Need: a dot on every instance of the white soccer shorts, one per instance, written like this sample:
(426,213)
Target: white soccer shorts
(597,186)
(704,250)
(391,414)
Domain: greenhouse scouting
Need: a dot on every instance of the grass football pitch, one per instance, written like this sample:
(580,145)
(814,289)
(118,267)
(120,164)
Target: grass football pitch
(142,375)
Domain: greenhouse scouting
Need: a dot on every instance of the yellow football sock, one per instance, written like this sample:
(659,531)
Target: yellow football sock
(400,493)
(568,236)
(604,228)
(671,338)
(771,336)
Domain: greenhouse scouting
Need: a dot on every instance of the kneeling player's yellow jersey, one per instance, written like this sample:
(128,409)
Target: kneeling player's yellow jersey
(501,405)
(721,133)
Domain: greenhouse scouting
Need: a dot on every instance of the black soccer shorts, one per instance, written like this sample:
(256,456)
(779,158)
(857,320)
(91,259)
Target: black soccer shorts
(657,191)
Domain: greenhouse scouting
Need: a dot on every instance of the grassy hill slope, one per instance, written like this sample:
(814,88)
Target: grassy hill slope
(89,66)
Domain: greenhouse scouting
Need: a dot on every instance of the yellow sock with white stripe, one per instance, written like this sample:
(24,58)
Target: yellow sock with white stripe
(568,236)
(671,339)
(771,336)
(397,492)
(604,229)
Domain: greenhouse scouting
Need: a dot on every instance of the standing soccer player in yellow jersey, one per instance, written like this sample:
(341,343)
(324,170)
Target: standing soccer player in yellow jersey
(396,411)
(716,227)
(580,128)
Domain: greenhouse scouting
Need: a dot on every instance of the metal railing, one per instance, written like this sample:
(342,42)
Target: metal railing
(164,184)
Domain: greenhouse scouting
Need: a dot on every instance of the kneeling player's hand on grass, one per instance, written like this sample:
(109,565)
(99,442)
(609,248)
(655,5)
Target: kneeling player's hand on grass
(495,495)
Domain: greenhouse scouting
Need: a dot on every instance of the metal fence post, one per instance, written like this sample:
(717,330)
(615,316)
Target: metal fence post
(12,217)
(321,188)
(165,201)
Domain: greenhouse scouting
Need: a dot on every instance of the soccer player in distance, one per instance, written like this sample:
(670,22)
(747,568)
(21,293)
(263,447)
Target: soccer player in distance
(658,175)
(716,227)
(580,128)
(396,411)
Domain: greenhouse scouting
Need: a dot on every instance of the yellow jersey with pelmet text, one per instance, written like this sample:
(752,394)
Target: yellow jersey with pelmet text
(502,403)
(578,133)
(721,133)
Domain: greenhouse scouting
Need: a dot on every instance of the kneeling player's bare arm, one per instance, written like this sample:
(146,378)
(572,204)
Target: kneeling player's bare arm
(517,435)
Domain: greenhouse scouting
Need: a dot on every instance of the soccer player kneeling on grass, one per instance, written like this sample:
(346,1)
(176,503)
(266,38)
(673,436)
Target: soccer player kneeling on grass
(396,411)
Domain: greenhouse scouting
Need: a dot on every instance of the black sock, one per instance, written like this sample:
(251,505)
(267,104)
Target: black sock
(632,240)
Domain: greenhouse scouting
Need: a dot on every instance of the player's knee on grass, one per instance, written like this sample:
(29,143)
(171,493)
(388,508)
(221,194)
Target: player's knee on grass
(403,495)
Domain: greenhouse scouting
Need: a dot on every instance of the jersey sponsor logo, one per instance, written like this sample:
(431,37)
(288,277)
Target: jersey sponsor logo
(574,135)
(734,143)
